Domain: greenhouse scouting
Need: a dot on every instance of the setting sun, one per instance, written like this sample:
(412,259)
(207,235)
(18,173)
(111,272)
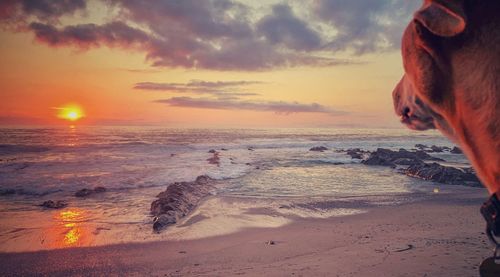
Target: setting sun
(70,112)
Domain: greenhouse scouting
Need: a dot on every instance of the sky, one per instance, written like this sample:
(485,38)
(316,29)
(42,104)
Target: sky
(202,63)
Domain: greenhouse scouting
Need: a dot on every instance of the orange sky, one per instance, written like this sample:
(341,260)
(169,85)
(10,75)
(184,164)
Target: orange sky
(36,78)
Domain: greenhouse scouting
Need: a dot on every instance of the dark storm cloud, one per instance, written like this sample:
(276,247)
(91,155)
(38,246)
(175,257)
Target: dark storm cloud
(279,107)
(222,34)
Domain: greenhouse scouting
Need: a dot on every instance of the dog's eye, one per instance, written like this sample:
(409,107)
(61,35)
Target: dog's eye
(419,102)
(419,29)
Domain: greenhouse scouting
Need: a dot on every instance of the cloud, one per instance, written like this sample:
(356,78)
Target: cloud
(146,71)
(220,34)
(90,35)
(206,19)
(219,88)
(279,107)
(194,85)
(365,26)
(228,95)
(44,10)
(282,27)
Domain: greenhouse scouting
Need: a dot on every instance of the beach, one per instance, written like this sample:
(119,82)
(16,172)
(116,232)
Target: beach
(437,235)
(181,202)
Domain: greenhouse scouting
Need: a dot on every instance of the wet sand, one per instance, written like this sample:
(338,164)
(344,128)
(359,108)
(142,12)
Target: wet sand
(441,235)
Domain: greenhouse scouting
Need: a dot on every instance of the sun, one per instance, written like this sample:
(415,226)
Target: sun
(73,115)
(70,112)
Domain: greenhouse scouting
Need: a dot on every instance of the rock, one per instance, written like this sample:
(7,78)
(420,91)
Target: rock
(356,153)
(99,189)
(84,192)
(178,200)
(54,205)
(87,192)
(407,161)
(421,146)
(212,151)
(443,174)
(418,168)
(433,148)
(318,148)
(377,160)
(215,159)
(163,220)
(223,149)
(250,148)
(456,150)
(270,242)
(356,156)
(439,149)
(386,157)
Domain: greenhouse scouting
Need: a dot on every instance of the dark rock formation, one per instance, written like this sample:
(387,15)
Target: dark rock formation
(356,153)
(59,204)
(178,200)
(87,192)
(456,150)
(212,151)
(421,146)
(432,149)
(439,149)
(443,174)
(318,148)
(418,168)
(386,157)
(84,192)
(215,159)
(99,189)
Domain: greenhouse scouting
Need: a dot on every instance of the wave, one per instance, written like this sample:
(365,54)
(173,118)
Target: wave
(11,191)
(10,149)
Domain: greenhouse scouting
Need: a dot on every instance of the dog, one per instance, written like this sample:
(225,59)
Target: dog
(451,59)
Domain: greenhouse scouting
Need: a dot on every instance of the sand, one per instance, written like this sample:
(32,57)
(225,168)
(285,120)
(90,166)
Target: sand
(440,235)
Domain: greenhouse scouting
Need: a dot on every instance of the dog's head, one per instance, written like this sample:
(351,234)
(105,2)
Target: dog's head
(410,108)
(422,95)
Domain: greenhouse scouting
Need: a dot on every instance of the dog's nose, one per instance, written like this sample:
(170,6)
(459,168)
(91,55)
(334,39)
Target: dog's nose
(405,114)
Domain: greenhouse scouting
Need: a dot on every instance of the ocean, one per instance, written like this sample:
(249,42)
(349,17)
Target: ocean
(258,166)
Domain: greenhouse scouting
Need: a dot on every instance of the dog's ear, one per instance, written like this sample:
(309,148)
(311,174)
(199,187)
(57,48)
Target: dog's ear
(442,18)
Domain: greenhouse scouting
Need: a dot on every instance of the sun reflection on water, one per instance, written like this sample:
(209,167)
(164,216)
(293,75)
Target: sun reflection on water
(72,136)
(71,228)
(72,236)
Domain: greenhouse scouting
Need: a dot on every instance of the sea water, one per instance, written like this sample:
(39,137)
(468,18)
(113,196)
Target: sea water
(134,164)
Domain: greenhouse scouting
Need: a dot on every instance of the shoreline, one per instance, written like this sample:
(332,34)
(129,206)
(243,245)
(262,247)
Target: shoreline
(441,234)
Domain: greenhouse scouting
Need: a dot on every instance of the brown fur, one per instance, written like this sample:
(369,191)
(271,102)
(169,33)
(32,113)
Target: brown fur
(451,56)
